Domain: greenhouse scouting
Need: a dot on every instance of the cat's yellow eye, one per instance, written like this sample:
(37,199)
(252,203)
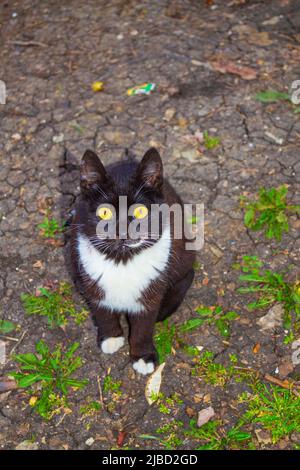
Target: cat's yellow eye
(140,212)
(104,213)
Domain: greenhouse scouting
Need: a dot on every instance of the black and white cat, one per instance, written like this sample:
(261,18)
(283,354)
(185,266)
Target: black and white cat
(144,278)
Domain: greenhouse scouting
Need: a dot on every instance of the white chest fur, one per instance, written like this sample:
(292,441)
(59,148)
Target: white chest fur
(123,284)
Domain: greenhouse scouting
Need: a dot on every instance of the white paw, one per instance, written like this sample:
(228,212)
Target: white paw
(112,345)
(143,367)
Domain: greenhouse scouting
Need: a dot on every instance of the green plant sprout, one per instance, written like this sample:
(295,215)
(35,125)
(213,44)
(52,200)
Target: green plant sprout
(274,96)
(90,409)
(210,142)
(53,372)
(214,437)
(6,326)
(50,227)
(110,385)
(56,305)
(269,212)
(211,316)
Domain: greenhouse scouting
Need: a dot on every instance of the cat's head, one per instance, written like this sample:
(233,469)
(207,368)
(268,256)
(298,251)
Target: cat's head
(121,227)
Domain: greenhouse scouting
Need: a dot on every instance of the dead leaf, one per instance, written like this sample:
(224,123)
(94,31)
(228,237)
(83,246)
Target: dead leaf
(153,384)
(207,398)
(285,367)
(228,66)
(260,38)
(27,445)
(38,264)
(121,438)
(44,204)
(169,114)
(205,415)
(190,411)
(33,401)
(182,122)
(198,398)
(263,437)
(56,242)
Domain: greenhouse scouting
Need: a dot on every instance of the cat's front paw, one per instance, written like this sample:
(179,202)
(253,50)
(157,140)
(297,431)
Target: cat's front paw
(112,345)
(144,367)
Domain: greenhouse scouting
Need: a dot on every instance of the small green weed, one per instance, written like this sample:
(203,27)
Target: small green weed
(53,371)
(217,374)
(56,305)
(210,142)
(6,327)
(110,385)
(170,435)
(167,404)
(273,96)
(276,409)
(50,227)
(90,409)
(78,128)
(271,288)
(214,437)
(211,316)
(269,212)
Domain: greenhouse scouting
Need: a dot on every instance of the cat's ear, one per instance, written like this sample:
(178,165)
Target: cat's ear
(150,169)
(92,172)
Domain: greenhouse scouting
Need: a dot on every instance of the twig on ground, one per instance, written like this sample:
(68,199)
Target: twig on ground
(9,338)
(100,390)
(18,343)
(28,43)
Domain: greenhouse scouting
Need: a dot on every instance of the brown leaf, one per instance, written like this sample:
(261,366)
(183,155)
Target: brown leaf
(260,39)
(38,264)
(121,438)
(285,367)
(190,411)
(228,66)
(56,242)
(263,437)
(182,122)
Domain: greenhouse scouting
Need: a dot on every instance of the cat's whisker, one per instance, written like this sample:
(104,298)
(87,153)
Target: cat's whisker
(103,193)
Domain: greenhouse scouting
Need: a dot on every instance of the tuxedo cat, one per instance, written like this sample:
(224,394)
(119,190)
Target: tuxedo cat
(145,278)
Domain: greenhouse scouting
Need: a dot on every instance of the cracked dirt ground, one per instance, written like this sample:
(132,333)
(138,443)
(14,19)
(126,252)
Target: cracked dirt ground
(51,53)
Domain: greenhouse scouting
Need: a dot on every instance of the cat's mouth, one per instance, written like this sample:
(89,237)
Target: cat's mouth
(121,248)
(133,243)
